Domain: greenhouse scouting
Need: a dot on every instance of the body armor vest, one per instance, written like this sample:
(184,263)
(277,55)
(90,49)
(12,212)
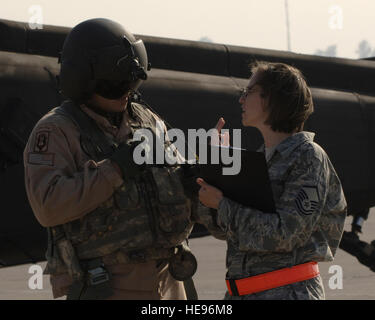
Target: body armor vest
(148,212)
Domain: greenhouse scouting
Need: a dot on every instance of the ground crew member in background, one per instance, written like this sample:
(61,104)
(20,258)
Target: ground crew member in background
(274,255)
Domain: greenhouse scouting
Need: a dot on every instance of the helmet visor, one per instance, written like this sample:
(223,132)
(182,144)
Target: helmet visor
(112,89)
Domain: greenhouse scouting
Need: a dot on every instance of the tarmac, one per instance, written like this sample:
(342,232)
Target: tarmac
(357,282)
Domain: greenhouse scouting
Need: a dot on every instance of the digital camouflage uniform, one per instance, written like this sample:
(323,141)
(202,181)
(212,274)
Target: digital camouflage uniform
(308,224)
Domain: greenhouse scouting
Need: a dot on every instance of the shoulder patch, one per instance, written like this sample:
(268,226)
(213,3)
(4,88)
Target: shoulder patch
(307,200)
(47,159)
(41,141)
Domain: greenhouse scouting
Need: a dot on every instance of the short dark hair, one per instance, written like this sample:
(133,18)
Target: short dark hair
(288,97)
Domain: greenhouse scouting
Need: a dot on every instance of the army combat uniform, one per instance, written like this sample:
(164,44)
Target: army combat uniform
(306,227)
(97,223)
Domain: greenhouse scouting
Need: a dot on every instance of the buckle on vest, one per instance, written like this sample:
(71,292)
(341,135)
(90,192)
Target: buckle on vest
(97,276)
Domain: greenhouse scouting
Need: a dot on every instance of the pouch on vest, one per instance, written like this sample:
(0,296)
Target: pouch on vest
(55,265)
(173,207)
(127,196)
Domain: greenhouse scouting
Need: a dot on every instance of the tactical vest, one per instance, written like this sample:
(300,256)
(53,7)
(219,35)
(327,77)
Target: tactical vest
(146,214)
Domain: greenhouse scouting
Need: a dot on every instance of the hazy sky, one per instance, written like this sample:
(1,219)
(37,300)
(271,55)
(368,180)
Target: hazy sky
(255,23)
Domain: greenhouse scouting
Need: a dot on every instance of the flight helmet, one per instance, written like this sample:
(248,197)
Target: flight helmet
(100,56)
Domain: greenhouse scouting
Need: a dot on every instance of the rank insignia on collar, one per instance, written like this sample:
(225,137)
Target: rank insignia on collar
(307,200)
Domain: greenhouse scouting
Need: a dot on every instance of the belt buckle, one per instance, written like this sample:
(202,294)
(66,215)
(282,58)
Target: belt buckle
(98,276)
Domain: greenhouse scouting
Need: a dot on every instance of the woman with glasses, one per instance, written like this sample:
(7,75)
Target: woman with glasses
(274,255)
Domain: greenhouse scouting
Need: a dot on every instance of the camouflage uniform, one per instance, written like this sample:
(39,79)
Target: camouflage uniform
(134,228)
(308,224)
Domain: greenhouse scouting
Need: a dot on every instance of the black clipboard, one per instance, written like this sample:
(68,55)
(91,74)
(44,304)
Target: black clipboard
(250,187)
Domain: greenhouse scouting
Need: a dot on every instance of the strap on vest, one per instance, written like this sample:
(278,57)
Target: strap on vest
(90,131)
(190,290)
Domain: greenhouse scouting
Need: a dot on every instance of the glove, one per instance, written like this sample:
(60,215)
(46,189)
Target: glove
(364,252)
(123,157)
(189,175)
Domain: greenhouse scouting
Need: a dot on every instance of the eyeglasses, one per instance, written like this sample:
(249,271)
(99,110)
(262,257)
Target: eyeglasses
(245,91)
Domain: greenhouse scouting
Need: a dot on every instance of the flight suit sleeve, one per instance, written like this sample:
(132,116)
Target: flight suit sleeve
(300,207)
(57,190)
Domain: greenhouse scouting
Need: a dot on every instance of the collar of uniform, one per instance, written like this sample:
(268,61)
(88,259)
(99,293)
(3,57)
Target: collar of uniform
(289,144)
(286,146)
(103,122)
(99,119)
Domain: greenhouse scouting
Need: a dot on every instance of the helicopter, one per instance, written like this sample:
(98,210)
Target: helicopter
(191,84)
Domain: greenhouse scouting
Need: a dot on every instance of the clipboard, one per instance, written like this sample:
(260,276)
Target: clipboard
(251,187)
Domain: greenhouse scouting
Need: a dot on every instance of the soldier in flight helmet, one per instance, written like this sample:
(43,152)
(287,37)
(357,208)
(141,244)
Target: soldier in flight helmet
(100,56)
(116,230)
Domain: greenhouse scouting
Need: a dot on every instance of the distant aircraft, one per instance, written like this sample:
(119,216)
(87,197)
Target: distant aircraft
(191,85)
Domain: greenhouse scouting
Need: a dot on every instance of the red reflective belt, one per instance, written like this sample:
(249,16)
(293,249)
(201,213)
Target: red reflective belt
(273,279)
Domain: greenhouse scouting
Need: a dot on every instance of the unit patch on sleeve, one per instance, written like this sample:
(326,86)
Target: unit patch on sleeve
(307,200)
(41,141)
